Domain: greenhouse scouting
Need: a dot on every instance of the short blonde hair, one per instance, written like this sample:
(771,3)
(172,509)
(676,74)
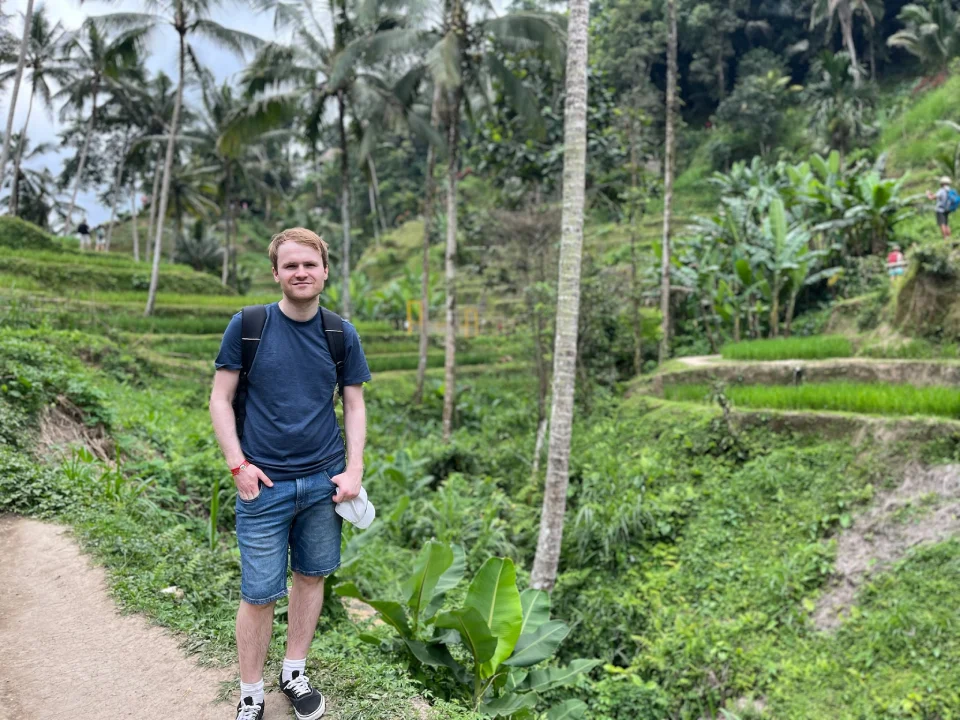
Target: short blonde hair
(298,235)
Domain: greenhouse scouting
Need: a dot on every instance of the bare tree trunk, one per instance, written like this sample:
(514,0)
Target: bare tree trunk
(373,209)
(791,305)
(165,191)
(136,220)
(154,198)
(736,325)
(378,203)
(344,205)
(845,13)
(775,308)
(117,188)
(21,61)
(428,213)
(668,162)
(634,284)
(15,197)
(547,558)
(80,166)
(224,266)
(450,268)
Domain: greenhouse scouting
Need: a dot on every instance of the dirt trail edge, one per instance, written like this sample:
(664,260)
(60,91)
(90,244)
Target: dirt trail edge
(66,647)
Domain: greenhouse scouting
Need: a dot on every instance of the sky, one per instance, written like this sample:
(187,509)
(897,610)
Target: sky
(162,55)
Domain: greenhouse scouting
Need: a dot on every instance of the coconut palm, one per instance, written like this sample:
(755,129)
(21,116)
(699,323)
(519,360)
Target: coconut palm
(843,11)
(17,75)
(931,33)
(464,57)
(94,61)
(544,573)
(187,18)
(668,163)
(43,65)
(25,182)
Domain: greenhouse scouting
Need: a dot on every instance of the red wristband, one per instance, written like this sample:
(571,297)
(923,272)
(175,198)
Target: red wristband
(239,468)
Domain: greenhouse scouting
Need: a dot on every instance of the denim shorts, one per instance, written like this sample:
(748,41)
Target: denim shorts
(297,515)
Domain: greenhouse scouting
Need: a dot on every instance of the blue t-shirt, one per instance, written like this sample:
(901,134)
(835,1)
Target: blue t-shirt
(291,428)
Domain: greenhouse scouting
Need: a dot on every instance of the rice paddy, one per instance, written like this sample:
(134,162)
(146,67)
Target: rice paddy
(869,398)
(818,347)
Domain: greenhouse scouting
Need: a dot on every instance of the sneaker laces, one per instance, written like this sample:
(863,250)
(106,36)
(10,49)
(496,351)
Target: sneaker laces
(247,712)
(299,686)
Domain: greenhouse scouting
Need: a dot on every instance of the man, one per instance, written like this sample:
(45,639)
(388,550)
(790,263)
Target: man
(289,467)
(83,230)
(943,208)
(101,241)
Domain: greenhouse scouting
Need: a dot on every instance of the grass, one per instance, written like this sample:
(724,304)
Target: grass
(914,138)
(912,350)
(869,398)
(817,347)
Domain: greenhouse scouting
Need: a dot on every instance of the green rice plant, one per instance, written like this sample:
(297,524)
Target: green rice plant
(869,398)
(911,350)
(796,348)
(408,361)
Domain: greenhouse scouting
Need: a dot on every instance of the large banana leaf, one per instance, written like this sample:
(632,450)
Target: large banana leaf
(392,612)
(494,595)
(473,631)
(432,562)
(536,609)
(546,678)
(437,655)
(569,710)
(508,704)
(538,646)
(449,580)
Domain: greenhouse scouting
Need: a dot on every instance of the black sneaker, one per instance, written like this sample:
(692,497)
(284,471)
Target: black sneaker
(308,702)
(247,710)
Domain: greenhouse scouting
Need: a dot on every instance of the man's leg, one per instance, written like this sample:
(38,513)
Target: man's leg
(254,627)
(306,602)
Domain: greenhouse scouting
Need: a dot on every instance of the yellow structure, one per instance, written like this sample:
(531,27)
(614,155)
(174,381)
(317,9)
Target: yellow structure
(469,318)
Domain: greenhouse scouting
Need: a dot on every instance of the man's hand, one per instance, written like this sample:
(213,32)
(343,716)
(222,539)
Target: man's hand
(348,482)
(248,482)
(931,196)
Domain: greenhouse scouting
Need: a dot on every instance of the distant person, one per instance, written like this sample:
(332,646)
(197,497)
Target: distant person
(947,202)
(101,240)
(293,478)
(895,262)
(83,230)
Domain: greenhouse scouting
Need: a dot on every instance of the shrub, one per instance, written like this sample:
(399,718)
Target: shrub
(18,234)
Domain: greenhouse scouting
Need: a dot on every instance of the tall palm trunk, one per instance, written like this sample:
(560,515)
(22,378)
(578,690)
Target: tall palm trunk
(154,196)
(167,171)
(136,220)
(377,202)
(373,210)
(82,163)
(428,212)
(228,216)
(344,203)
(116,188)
(15,197)
(634,262)
(547,558)
(450,266)
(668,162)
(21,62)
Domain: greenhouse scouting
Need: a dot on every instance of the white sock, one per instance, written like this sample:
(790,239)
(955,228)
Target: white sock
(289,666)
(252,690)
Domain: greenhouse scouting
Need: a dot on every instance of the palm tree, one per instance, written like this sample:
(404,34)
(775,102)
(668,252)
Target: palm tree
(844,11)
(464,60)
(668,162)
(18,75)
(186,17)
(95,60)
(44,64)
(547,558)
(931,33)
(26,181)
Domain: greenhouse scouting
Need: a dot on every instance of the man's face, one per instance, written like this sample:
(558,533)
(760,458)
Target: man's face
(300,272)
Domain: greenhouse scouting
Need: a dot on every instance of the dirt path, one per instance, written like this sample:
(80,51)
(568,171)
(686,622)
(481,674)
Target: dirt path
(699,360)
(67,652)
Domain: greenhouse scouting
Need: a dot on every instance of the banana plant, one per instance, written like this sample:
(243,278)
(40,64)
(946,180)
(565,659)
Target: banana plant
(503,631)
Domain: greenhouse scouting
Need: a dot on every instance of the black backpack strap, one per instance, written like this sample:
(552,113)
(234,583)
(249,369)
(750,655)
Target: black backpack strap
(252,320)
(333,330)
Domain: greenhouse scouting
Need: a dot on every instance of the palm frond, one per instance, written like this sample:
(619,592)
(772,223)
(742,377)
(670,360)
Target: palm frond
(234,40)
(443,61)
(256,118)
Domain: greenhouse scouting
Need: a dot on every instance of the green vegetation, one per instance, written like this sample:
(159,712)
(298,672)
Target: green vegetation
(874,399)
(796,348)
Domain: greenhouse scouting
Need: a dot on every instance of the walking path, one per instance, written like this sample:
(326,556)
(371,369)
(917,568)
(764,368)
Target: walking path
(68,653)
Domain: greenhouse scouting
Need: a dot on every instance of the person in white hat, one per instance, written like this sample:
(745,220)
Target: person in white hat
(947,201)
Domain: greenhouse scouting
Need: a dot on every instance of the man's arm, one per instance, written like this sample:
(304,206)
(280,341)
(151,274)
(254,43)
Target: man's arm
(225,428)
(355,428)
